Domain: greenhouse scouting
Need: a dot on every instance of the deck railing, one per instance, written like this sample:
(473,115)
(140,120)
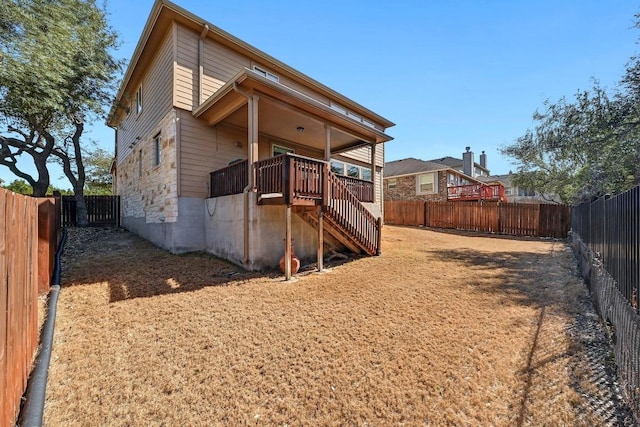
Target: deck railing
(362,189)
(345,209)
(290,177)
(229,180)
(476,192)
(294,179)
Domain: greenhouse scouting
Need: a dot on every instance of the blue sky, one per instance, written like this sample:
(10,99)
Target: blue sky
(450,74)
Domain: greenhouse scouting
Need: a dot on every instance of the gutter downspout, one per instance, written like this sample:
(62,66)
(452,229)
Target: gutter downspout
(203,34)
(33,409)
(249,188)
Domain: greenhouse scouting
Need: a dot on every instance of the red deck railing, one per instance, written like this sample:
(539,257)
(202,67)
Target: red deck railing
(476,192)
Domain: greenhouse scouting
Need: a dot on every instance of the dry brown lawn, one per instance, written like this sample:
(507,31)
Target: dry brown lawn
(440,330)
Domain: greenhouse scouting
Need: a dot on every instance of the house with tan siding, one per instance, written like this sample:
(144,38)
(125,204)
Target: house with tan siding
(221,147)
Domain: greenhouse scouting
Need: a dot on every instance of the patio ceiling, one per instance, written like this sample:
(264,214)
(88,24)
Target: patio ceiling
(285,114)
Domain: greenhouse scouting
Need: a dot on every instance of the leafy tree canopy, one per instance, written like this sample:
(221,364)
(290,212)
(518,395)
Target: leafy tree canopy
(586,147)
(22,187)
(98,167)
(57,73)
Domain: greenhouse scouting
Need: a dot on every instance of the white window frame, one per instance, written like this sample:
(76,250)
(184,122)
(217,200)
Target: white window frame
(157,150)
(351,169)
(266,74)
(434,183)
(140,163)
(392,183)
(337,164)
(362,170)
(139,100)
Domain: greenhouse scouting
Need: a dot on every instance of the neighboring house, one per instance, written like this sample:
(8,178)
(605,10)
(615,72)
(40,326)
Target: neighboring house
(218,143)
(517,194)
(414,179)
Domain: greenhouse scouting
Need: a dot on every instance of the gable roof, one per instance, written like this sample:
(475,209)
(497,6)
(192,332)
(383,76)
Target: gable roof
(410,166)
(503,179)
(161,17)
(454,163)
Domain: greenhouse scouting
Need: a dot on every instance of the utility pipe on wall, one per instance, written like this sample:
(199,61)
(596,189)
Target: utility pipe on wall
(250,184)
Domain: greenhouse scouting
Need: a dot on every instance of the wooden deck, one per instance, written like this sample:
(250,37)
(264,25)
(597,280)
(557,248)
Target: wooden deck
(302,182)
(476,192)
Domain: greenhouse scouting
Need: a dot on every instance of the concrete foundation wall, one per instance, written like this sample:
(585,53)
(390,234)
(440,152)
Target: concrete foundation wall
(224,232)
(185,234)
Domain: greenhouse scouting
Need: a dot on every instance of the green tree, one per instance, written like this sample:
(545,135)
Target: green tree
(22,187)
(19,186)
(98,168)
(57,73)
(581,149)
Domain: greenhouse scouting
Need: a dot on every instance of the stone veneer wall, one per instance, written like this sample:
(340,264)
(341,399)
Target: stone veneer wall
(406,189)
(152,195)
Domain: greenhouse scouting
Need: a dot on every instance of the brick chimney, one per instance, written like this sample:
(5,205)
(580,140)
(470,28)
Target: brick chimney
(467,162)
(483,160)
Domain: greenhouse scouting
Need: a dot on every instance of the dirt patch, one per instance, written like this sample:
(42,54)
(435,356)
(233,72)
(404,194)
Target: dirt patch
(440,329)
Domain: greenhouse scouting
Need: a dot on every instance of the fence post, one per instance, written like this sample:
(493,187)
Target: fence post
(47,242)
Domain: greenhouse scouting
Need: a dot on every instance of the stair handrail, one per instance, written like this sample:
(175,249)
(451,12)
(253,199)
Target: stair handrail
(352,216)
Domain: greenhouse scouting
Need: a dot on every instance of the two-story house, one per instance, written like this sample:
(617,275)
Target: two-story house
(221,147)
(441,179)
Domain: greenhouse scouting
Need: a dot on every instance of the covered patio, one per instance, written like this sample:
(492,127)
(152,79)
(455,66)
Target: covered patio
(271,174)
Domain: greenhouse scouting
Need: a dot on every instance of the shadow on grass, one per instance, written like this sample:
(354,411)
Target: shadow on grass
(135,268)
(525,277)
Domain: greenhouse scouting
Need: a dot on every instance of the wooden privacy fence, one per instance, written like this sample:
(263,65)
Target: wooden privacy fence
(28,241)
(101,211)
(542,220)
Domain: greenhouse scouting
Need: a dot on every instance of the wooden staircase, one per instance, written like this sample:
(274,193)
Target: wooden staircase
(305,184)
(345,219)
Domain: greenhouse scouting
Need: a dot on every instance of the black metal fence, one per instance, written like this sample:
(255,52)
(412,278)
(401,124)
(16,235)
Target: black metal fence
(101,211)
(610,227)
(605,240)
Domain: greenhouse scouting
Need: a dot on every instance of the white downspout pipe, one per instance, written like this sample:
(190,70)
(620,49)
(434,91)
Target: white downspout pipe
(250,184)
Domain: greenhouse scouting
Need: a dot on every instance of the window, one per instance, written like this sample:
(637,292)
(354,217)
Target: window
(338,107)
(266,74)
(392,182)
(139,100)
(427,184)
(526,192)
(337,167)
(366,174)
(157,150)
(278,149)
(454,180)
(140,163)
(353,171)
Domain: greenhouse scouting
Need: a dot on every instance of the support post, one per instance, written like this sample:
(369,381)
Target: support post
(327,143)
(287,244)
(253,137)
(373,171)
(379,242)
(320,238)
